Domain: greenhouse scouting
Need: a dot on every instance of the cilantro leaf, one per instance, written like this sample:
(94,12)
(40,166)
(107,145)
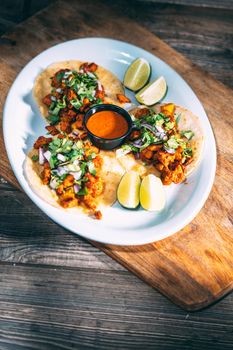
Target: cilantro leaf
(83,192)
(178,118)
(35,158)
(188,152)
(53,119)
(187,133)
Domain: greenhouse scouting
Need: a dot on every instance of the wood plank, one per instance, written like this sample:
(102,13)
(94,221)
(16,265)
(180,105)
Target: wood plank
(225,4)
(47,243)
(203,35)
(44,308)
(194,267)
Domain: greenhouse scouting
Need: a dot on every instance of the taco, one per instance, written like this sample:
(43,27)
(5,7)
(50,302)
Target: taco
(66,90)
(167,137)
(71,174)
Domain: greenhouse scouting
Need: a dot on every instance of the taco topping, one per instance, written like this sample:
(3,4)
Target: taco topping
(70,168)
(156,139)
(72,94)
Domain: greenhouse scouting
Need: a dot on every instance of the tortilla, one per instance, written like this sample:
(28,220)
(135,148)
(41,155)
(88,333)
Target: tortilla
(110,173)
(189,121)
(42,87)
(129,163)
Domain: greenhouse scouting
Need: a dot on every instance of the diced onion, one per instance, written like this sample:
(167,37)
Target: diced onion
(76,188)
(99,86)
(61,157)
(91,75)
(53,184)
(138,143)
(76,162)
(66,74)
(41,156)
(61,171)
(160,129)
(76,174)
(169,150)
(47,155)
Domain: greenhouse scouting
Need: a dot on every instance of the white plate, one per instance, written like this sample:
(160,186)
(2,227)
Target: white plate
(22,124)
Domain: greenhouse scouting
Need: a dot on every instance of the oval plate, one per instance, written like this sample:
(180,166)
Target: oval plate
(22,124)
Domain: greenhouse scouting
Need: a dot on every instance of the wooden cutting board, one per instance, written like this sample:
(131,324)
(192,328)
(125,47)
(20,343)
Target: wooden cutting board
(194,267)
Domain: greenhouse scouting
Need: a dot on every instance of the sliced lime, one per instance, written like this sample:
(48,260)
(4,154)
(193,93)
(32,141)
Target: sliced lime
(128,190)
(152,92)
(137,74)
(152,196)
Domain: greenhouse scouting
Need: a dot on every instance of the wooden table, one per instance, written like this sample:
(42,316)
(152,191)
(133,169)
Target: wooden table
(59,292)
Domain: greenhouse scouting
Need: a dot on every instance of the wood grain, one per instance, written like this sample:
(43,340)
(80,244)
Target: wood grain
(202,34)
(57,290)
(31,313)
(194,267)
(218,4)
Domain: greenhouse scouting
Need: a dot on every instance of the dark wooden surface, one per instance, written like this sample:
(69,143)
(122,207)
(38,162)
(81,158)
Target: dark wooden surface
(58,292)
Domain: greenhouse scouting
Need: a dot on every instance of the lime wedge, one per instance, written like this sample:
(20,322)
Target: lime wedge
(152,196)
(152,92)
(137,74)
(128,190)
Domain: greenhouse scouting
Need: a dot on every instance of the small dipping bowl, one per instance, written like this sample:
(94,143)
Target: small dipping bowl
(107,143)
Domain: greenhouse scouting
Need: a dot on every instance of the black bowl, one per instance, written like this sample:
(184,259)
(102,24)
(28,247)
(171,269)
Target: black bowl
(101,142)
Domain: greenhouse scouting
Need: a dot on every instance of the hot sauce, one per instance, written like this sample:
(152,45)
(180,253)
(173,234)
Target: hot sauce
(107,124)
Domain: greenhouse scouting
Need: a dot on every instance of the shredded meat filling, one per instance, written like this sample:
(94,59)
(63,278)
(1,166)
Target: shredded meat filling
(42,141)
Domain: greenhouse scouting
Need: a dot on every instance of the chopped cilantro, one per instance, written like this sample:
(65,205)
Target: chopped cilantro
(35,158)
(92,156)
(76,103)
(62,177)
(54,145)
(91,168)
(129,148)
(52,161)
(83,192)
(137,123)
(188,134)
(188,152)
(178,118)
(55,108)
(169,125)
(147,139)
(59,76)
(155,119)
(83,167)
(53,119)
(62,104)
(52,106)
(172,143)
